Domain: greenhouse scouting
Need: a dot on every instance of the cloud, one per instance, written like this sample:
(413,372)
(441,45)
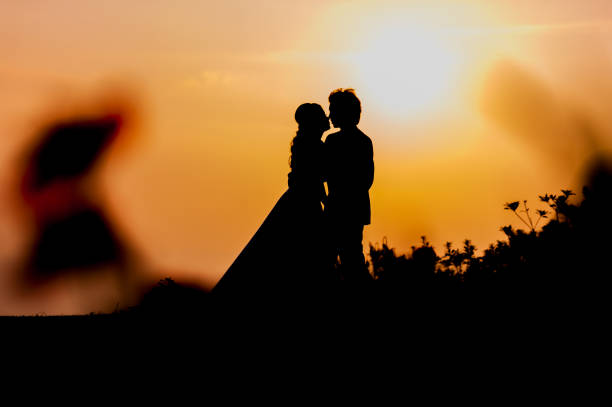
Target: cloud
(527,29)
(211,78)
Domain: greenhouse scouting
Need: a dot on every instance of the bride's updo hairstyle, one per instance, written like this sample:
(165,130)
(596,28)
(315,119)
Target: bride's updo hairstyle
(310,118)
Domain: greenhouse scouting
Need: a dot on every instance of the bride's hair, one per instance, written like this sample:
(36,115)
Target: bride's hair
(306,117)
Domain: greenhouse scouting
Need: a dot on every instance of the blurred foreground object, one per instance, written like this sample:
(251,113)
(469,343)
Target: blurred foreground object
(70,228)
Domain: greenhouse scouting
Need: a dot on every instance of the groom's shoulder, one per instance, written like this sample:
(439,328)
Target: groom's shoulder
(332,137)
(363,135)
(363,139)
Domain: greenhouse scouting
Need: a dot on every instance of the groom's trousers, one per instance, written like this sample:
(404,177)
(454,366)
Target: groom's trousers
(348,241)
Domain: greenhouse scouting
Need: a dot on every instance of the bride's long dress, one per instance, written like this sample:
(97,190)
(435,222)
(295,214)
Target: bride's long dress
(288,255)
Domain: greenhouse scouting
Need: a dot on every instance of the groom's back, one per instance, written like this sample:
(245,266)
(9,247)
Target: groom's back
(350,173)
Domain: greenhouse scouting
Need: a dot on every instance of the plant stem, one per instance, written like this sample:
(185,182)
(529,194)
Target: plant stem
(528,217)
(537,221)
(522,220)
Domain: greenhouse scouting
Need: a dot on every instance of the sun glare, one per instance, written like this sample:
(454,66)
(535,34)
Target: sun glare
(407,69)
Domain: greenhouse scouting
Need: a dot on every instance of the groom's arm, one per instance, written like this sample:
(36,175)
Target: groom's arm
(366,175)
(370,160)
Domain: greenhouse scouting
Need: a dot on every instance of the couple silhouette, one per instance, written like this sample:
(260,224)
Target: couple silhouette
(311,241)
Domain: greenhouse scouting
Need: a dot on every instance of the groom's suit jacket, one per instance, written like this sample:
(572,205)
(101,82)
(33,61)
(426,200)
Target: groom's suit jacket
(349,175)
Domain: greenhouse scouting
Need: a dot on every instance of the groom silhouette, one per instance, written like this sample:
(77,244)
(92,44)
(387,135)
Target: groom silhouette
(350,174)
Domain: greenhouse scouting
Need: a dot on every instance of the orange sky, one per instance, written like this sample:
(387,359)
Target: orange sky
(469,104)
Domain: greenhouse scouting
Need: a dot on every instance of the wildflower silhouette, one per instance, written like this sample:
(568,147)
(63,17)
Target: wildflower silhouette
(558,203)
(513,206)
(529,265)
(543,215)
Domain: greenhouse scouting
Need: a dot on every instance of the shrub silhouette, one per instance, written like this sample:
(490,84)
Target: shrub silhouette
(562,261)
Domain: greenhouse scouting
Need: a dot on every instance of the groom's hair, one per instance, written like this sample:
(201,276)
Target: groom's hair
(346,104)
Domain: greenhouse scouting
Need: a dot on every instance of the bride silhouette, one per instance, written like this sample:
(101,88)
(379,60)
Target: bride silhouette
(289,255)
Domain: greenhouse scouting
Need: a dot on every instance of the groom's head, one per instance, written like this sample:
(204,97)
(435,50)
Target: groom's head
(344,108)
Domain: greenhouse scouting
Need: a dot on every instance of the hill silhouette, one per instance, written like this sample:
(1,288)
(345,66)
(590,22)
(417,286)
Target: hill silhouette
(538,295)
